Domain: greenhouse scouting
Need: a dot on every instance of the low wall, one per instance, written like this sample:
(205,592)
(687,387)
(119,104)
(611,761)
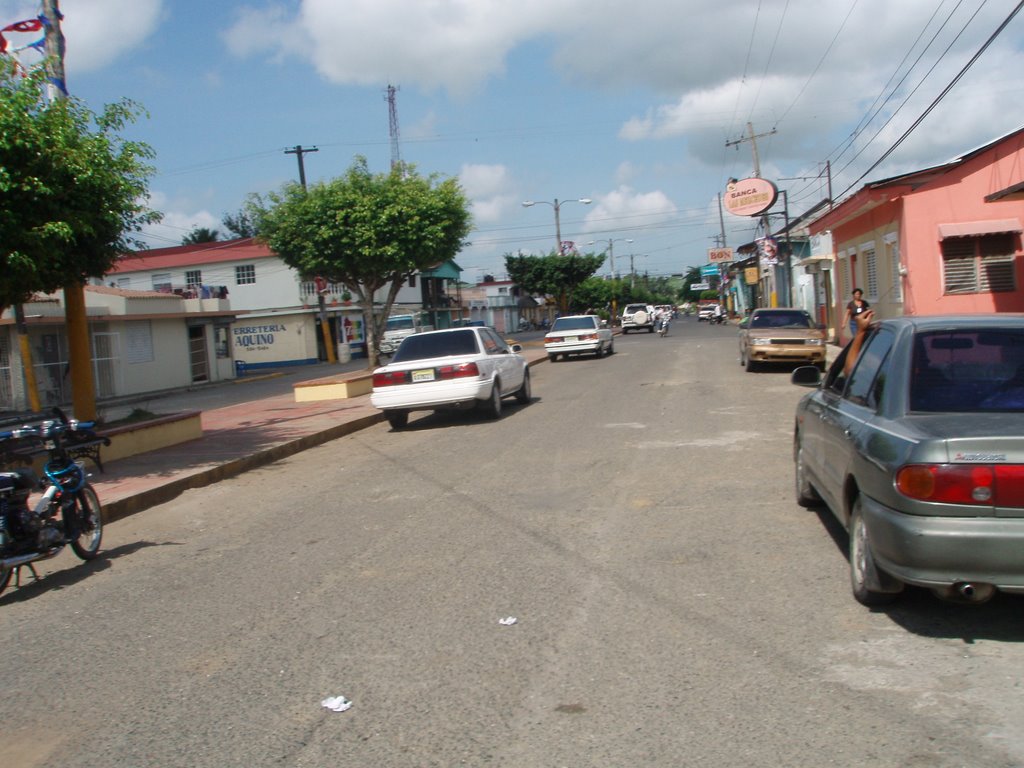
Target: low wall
(334,387)
(144,436)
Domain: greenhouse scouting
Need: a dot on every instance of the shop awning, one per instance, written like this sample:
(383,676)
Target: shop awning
(975,228)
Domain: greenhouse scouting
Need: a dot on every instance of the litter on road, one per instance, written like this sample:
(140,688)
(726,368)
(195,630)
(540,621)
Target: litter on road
(336,703)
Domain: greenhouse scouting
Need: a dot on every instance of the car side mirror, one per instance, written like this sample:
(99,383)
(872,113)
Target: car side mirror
(806,376)
(516,347)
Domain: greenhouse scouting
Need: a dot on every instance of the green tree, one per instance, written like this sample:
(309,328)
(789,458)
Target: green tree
(72,190)
(556,274)
(369,232)
(200,235)
(241,224)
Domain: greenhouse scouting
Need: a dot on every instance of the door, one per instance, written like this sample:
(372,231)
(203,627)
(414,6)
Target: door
(198,356)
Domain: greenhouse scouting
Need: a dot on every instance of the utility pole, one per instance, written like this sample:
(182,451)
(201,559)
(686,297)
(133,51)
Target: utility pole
(298,150)
(83,385)
(752,138)
(325,330)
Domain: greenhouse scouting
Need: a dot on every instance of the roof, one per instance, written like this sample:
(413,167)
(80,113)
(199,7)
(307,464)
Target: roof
(242,249)
(128,294)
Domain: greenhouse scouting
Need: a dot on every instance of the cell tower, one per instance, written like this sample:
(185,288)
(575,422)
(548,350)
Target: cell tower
(396,155)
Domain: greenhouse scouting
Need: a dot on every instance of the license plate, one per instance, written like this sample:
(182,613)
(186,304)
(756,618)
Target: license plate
(426,374)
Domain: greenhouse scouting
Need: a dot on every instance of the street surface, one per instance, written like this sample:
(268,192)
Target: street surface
(673,605)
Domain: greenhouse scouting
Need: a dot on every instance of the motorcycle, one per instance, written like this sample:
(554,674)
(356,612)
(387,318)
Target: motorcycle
(663,326)
(68,512)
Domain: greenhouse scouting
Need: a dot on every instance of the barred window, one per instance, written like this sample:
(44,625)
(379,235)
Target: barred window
(245,274)
(871,268)
(983,264)
(193,278)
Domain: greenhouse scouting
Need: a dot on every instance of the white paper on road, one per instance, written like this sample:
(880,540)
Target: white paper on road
(336,703)
(508,622)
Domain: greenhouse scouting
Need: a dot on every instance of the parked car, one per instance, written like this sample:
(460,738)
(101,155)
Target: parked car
(455,368)
(637,317)
(578,334)
(919,453)
(781,336)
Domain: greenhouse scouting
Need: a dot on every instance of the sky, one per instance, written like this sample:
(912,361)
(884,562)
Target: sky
(646,108)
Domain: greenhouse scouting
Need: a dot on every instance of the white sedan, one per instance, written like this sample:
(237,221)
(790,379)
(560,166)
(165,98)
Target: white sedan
(578,334)
(456,368)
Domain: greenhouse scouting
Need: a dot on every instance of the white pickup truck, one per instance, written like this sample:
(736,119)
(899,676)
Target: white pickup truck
(398,327)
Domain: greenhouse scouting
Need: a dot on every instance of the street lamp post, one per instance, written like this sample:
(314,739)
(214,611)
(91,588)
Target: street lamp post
(557,205)
(611,253)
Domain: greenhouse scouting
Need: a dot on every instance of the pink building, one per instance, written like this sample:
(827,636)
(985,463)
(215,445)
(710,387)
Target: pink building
(943,240)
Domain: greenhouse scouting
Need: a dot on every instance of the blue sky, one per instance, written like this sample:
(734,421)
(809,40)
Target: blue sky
(628,104)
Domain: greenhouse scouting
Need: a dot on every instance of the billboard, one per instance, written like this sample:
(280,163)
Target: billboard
(720,255)
(750,197)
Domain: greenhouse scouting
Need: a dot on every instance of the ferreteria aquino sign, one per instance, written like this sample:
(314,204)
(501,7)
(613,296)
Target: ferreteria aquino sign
(750,197)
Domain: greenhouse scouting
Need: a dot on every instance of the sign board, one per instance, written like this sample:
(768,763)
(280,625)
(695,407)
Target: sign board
(750,197)
(709,270)
(750,275)
(720,255)
(700,287)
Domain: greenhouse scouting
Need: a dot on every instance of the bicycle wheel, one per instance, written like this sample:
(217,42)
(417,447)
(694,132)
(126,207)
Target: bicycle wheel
(90,523)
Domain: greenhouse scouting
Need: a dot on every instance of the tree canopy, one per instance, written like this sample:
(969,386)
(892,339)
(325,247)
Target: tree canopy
(200,235)
(556,274)
(72,190)
(366,231)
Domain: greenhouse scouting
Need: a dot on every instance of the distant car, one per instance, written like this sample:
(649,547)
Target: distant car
(578,334)
(456,368)
(706,312)
(637,317)
(781,336)
(919,452)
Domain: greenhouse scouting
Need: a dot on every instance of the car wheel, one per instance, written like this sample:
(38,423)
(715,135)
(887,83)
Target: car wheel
(524,394)
(493,406)
(599,352)
(864,574)
(611,347)
(397,419)
(553,358)
(806,496)
(750,365)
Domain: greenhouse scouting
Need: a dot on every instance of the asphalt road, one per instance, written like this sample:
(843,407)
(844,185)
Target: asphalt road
(673,605)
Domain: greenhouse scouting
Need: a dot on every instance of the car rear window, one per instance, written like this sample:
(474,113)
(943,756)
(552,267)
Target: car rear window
(425,345)
(573,324)
(971,371)
(781,320)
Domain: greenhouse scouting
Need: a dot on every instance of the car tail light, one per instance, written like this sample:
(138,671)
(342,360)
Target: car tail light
(459,371)
(390,378)
(588,337)
(554,339)
(992,485)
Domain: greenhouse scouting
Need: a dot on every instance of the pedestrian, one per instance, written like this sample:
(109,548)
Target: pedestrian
(856,307)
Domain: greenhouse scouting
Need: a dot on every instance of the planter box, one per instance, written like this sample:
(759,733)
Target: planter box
(334,387)
(144,436)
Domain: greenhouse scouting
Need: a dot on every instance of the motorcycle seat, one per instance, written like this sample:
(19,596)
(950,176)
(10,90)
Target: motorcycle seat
(22,479)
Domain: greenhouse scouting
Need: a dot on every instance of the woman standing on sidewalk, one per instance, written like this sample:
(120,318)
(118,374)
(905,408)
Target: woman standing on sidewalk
(856,306)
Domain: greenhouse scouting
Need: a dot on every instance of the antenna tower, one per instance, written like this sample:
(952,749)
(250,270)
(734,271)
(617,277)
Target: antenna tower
(396,155)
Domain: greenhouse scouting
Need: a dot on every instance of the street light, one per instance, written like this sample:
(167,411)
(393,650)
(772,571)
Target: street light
(611,253)
(557,206)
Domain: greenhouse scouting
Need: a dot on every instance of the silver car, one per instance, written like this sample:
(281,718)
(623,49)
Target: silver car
(919,452)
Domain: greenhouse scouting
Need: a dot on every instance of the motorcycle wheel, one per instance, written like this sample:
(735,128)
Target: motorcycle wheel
(90,524)
(5,578)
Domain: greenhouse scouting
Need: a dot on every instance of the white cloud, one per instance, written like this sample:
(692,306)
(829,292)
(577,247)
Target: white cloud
(99,31)
(489,189)
(180,216)
(624,207)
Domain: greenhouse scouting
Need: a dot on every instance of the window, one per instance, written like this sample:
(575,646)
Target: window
(245,274)
(983,264)
(162,282)
(871,268)
(412,281)
(193,278)
(867,381)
